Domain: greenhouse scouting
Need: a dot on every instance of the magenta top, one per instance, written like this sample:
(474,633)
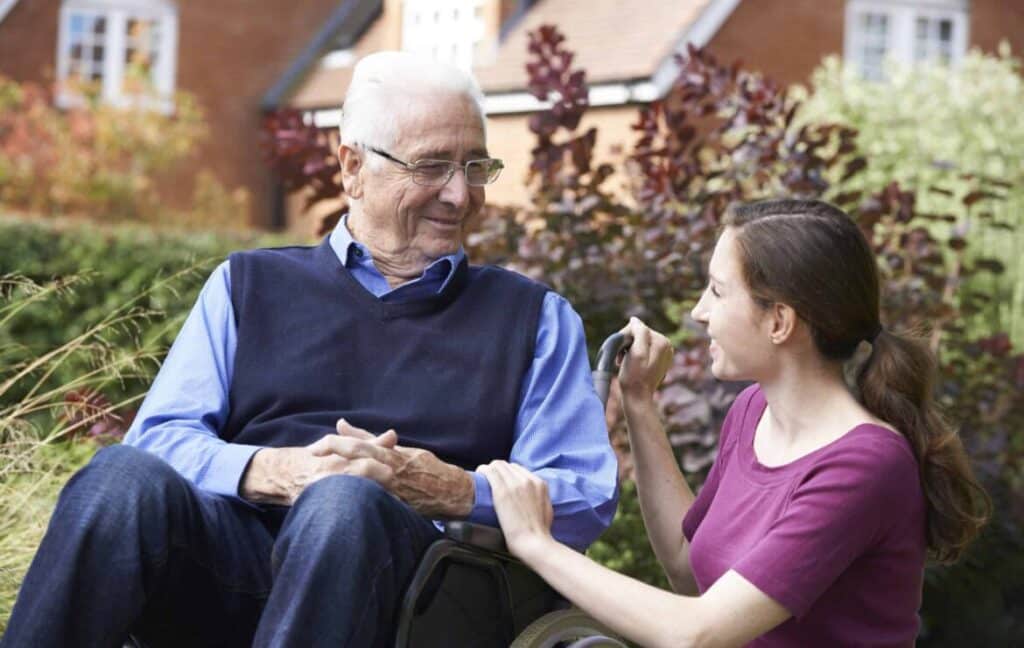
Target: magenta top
(837,537)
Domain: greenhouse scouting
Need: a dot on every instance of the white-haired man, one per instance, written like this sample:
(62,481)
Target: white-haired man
(324,406)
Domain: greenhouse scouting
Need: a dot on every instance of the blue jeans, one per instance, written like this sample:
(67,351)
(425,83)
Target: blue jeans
(134,547)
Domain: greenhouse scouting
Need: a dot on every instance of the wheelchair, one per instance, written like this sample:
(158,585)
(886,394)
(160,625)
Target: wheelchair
(469,592)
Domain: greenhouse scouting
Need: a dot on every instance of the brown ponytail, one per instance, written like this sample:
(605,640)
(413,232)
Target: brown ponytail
(813,257)
(896,386)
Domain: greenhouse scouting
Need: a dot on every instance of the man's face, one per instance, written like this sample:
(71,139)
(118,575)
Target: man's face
(425,221)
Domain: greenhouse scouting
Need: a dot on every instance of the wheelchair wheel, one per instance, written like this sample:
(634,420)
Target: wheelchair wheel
(566,628)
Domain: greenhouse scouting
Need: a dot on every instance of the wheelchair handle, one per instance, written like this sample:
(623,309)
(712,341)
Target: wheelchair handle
(605,366)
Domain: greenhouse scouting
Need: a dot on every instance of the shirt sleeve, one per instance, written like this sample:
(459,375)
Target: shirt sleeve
(188,401)
(836,514)
(561,434)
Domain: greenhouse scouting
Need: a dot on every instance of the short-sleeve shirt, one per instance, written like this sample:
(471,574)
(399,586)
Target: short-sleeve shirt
(837,537)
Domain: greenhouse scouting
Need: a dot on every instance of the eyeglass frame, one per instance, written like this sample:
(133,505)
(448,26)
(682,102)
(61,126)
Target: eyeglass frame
(452,165)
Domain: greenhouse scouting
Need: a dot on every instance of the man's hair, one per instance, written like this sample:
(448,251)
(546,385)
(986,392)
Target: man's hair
(386,82)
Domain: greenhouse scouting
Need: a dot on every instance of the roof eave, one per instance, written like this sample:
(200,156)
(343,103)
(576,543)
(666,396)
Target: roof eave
(5,8)
(349,22)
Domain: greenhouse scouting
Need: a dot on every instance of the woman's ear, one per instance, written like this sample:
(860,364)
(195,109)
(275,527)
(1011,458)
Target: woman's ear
(784,321)
(351,161)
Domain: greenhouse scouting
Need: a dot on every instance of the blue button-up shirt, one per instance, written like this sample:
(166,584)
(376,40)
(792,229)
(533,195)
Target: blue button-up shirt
(560,431)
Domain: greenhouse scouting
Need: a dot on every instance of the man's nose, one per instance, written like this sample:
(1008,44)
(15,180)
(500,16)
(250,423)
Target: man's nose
(455,192)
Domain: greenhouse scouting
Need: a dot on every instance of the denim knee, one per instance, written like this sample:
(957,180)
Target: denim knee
(119,482)
(344,509)
(345,499)
(125,469)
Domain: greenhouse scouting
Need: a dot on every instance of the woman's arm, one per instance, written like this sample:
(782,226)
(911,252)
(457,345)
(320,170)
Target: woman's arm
(665,497)
(731,613)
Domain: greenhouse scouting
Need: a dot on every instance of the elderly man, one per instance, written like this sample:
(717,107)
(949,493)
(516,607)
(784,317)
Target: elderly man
(324,406)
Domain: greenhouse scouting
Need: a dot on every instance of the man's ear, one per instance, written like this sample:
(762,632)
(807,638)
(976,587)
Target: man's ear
(351,160)
(784,321)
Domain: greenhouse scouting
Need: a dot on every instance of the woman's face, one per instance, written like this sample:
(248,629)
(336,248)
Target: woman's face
(741,347)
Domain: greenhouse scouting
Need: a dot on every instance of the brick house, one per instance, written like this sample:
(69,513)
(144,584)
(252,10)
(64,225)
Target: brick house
(241,62)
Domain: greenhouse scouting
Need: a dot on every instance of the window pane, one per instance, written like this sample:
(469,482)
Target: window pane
(445,30)
(934,39)
(141,49)
(77,25)
(85,46)
(873,43)
(946,30)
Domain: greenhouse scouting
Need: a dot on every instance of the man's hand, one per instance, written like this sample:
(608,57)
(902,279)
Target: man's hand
(279,475)
(434,488)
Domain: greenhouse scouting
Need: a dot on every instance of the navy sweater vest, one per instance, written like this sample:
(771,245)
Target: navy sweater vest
(314,346)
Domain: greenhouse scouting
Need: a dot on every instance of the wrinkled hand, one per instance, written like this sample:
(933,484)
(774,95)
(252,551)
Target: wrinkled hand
(645,364)
(279,475)
(432,487)
(523,506)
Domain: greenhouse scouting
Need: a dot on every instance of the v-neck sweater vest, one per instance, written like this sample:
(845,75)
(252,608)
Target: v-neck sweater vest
(314,346)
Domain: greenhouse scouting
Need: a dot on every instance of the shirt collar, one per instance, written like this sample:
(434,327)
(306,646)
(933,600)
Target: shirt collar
(351,252)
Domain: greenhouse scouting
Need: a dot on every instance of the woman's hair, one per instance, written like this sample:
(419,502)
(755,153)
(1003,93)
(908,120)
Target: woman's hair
(384,82)
(813,257)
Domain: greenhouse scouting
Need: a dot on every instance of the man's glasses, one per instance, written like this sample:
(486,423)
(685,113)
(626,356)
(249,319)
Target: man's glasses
(433,173)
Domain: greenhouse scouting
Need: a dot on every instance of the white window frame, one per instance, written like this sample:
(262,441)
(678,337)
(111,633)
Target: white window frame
(117,14)
(459,36)
(902,19)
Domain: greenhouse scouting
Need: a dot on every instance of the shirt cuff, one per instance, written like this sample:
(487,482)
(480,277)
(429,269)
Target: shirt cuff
(483,505)
(224,474)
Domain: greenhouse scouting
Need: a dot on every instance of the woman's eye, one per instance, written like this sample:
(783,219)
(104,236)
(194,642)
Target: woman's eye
(714,291)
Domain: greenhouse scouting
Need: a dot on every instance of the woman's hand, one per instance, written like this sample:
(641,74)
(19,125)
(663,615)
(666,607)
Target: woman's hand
(645,363)
(523,506)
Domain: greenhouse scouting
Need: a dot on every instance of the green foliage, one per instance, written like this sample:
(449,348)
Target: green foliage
(624,546)
(85,315)
(99,271)
(937,130)
(47,428)
(27,498)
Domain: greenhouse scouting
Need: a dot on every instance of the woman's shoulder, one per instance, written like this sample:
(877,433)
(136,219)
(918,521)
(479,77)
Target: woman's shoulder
(874,460)
(875,443)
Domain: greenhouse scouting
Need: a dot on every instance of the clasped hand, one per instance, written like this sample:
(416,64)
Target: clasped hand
(416,476)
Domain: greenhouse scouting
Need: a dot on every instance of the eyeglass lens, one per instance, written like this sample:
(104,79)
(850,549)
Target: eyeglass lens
(478,172)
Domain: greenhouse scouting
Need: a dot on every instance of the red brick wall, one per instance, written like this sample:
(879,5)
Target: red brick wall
(995,20)
(230,52)
(786,39)
(28,41)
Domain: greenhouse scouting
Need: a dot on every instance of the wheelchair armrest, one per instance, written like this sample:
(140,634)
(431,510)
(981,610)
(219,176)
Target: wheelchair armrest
(477,535)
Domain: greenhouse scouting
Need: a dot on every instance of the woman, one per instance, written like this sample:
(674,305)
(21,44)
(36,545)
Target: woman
(813,525)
